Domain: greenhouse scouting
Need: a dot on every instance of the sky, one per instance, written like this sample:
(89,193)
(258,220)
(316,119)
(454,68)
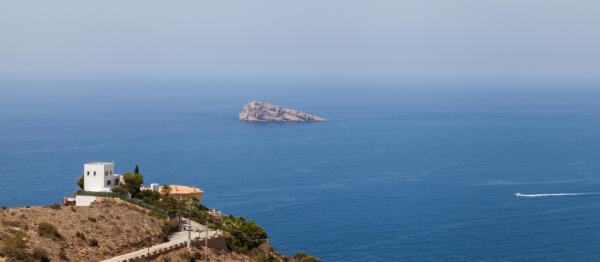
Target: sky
(424,38)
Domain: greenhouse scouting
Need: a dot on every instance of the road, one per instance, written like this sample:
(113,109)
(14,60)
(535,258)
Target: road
(198,231)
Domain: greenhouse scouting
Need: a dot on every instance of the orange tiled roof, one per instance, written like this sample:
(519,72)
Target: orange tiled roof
(181,190)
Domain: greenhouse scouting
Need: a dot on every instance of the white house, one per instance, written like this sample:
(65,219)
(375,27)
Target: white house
(100,177)
(97,177)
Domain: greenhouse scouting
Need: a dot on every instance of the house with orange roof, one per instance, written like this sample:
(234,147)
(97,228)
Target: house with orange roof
(182,192)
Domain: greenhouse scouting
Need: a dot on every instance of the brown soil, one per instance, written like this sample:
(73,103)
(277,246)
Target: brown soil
(118,227)
(197,254)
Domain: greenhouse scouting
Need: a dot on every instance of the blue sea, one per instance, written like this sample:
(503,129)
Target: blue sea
(403,170)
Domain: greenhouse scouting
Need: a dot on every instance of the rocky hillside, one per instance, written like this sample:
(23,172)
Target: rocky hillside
(257,111)
(62,233)
(108,228)
(263,254)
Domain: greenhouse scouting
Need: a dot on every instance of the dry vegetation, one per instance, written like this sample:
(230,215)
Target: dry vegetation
(63,233)
(199,253)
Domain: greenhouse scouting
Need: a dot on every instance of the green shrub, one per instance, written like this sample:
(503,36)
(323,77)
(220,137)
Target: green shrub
(91,219)
(80,235)
(93,242)
(265,258)
(166,229)
(14,246)
(48,230)
(4,207)
(80,182)
(243,235)
(106,202)
(41,254)
(299,256)
(163,237)
(159,215)
(189,256)
(73,209)
(14,223)
(55,206)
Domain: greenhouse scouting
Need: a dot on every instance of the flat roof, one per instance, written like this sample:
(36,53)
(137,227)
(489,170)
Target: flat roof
(100,163)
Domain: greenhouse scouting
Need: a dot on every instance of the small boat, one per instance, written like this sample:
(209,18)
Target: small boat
(518,194)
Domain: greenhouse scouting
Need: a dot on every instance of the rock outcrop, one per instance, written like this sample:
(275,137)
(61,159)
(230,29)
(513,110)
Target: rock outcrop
(257,111)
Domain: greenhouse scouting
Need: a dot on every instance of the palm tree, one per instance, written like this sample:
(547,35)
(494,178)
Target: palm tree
(166,190)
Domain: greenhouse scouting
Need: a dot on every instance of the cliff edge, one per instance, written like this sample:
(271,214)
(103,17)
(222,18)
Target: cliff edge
(257,111)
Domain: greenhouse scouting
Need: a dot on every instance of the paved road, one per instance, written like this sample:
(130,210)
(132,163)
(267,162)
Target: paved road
(198,231)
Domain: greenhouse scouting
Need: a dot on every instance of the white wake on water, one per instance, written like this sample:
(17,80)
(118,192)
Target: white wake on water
(556,194)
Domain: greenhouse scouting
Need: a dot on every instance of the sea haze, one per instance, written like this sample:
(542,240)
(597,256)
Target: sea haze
(401,171)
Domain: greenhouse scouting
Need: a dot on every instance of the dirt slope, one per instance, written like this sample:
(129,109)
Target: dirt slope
(118,228)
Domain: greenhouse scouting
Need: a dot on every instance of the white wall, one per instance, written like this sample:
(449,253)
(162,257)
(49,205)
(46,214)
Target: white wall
(83,201)
(97,176)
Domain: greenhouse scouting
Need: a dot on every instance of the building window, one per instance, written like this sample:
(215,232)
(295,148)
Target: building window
(116,182)
(105,173)
(108,183)
(94,173)
(88,173)
(110,172)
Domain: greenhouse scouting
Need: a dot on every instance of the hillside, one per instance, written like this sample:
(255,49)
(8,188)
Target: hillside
(264,254)
(92,233)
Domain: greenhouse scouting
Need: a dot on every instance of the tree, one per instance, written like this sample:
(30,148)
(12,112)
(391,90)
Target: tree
(131,184)
(166,190)
(80,182)
(137,170)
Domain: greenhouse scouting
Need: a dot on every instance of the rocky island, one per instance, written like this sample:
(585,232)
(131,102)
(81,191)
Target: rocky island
(257,111)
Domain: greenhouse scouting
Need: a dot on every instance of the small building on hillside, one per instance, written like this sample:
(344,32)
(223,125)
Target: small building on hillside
(97,177)
(100,177)
(183,192)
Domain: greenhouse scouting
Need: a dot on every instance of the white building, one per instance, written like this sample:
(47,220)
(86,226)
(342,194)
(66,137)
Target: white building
(100,177)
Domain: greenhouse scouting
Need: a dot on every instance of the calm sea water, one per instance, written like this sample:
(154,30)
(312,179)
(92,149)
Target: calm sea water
(401,171)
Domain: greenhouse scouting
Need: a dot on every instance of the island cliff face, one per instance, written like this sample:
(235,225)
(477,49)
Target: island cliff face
(257,111)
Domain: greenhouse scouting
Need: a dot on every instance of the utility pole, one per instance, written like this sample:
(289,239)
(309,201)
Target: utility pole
(189,238)
(189,227)
(206,242)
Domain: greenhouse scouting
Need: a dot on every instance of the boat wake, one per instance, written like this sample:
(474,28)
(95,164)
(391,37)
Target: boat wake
(557,194)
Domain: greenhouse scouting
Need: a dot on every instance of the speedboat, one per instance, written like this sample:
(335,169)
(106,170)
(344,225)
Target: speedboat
(518,194)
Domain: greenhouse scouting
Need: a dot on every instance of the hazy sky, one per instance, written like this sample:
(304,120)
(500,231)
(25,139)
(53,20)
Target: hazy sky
(530,38)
